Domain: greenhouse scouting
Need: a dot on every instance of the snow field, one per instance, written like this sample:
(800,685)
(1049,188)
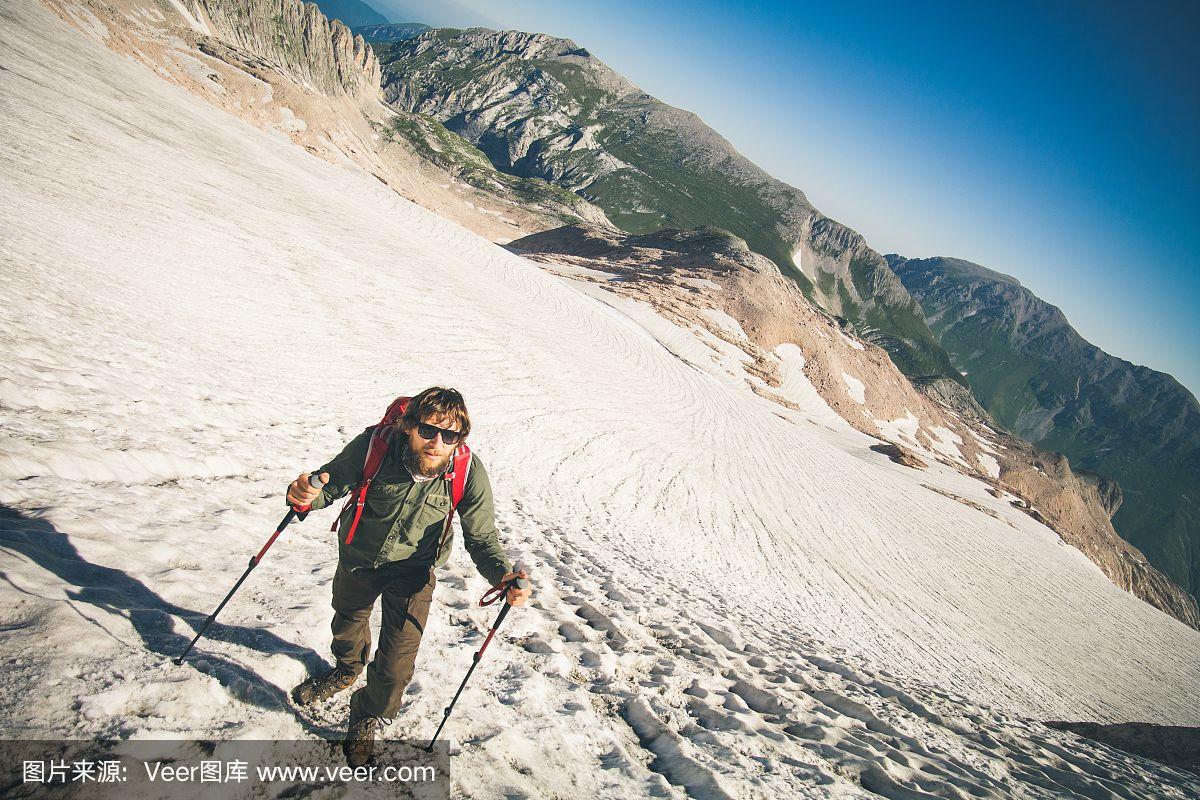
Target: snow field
(731,599)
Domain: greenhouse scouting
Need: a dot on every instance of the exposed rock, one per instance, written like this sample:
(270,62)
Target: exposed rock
(953,395)
(296,38)
(1108,491)
(901,456)
(967,502)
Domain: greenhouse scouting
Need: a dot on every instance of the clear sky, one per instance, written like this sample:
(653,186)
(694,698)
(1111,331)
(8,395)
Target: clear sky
(1057,142)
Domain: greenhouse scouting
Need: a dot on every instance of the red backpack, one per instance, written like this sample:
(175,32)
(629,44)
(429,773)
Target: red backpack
(381,435)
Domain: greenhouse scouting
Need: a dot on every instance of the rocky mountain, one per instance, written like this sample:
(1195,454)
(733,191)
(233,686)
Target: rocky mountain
(385,34)
(543,107)
(283,67)
(351,13)
(298,39)
(1038,377)
(759,323)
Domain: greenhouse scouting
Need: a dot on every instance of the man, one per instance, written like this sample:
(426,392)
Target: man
(396,544)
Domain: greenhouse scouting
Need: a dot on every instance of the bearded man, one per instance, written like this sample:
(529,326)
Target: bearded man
(403,533)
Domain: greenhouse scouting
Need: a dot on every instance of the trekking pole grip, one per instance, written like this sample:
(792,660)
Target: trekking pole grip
(314,480)
(520,583)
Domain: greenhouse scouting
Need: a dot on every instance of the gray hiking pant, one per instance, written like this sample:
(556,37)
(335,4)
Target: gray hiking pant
(406,598)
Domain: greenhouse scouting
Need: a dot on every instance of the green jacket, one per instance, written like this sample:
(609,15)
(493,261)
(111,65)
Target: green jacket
(403,520)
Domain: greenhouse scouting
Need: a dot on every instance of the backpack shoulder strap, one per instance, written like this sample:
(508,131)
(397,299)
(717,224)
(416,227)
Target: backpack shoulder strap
(381,439)
(458,486)
(458,475)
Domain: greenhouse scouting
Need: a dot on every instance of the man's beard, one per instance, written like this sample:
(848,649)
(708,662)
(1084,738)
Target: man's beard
(422,467)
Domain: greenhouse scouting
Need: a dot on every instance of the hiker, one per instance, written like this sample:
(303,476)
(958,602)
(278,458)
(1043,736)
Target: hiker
(391,537)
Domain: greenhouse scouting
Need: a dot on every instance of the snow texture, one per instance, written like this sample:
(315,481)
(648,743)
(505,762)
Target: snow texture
(731,599)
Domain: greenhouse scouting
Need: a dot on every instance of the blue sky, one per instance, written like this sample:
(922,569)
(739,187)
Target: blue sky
(1055,142)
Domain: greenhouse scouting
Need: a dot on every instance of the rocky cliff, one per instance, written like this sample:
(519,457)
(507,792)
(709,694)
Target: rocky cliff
(296,38)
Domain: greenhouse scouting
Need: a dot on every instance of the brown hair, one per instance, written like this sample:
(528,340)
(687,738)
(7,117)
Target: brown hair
(437,401)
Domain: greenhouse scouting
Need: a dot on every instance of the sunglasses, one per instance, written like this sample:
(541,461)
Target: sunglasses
(430,432)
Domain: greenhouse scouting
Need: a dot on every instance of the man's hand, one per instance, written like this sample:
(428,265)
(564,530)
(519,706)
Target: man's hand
(516,596)
(301,493)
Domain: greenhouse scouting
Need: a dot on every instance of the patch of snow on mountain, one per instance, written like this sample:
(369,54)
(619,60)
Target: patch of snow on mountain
(857,345)
(798,260)
(855,388)
(198,24)
(945,441)
(983,443)
(796,388)
(990,465)
(903,429)
(724,322)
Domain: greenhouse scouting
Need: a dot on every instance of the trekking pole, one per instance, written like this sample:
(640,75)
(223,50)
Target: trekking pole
(521,583)
(295,512)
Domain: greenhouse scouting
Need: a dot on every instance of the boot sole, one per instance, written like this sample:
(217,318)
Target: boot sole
(298,701)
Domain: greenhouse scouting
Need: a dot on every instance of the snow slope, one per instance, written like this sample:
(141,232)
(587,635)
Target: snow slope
(732,599)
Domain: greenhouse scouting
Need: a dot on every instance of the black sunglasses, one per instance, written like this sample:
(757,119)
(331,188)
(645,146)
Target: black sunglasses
(429,432)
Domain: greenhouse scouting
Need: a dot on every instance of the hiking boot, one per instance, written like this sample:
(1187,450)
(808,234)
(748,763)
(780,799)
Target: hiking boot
(327,684)
(360,735)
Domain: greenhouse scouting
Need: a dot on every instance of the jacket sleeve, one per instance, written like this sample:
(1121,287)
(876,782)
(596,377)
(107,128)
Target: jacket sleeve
(477,513)
(345,470)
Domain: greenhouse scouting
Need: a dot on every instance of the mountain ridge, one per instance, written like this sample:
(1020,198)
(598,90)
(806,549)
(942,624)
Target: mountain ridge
(542,106)
(1135,424)
(391,32)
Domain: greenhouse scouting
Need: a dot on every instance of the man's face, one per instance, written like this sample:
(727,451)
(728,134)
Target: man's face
(431,456)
